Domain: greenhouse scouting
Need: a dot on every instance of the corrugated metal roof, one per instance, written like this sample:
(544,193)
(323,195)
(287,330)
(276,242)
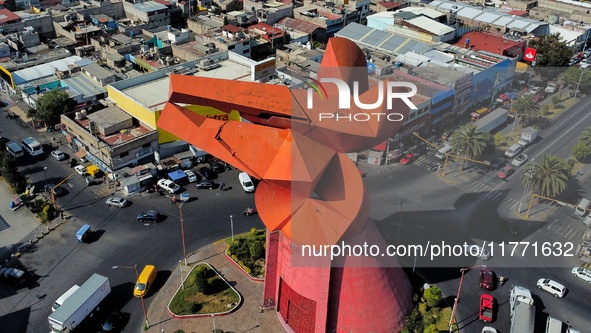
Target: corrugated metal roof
(488,17)
(431,25)
(149,6)
(84,85)
(469,13)
(43,70)
(381,40)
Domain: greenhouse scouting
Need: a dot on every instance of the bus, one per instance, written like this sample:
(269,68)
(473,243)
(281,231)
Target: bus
(32,146)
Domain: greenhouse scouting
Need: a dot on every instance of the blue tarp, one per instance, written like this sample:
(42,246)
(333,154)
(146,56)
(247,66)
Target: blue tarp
(176,175)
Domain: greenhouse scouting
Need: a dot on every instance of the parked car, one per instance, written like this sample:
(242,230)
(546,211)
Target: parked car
(519,160)
(217,167)
(191,176)
(58,154)
(168,185)
(505,172)
(205,184)
(14,276)
(55,190)
(551,286)
(582,273)
(479,251)
(498,163)
(488,329)
(488,279)
(534,90)
(408,158)
(80,169)
(539,97)
(149,215)
(487,303)
(117,202)
(551,87)
(207,173)
(112,322)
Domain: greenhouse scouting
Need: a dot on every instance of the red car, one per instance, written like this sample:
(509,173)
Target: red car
(505,172)
(487,303)
(539,97)
(487,279)
(408,158)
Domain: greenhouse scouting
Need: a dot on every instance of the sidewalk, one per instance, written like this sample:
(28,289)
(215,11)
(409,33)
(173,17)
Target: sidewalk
(19,224)
(247,318)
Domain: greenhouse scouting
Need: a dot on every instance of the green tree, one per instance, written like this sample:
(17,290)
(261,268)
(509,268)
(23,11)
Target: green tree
(550,176)
(257,250)
(581,151)
(432,296)
(586,136)
(575,74)
(551,51)
(469,141)
(51,105)
(201,283)
(526,107)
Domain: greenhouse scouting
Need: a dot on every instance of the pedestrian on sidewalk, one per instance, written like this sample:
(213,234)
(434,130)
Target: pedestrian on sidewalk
(222,184)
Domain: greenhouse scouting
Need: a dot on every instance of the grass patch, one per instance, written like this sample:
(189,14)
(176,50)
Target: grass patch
(248,251)
(217,296)
(564,104)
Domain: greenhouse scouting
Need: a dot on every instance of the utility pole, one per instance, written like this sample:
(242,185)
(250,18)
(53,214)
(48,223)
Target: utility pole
(579,83)
(526,189)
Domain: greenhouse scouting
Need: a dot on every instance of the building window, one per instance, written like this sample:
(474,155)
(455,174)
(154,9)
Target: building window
(147,145)
(125,154)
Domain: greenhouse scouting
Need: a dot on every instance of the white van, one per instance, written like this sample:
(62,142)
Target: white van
(514,150)
(553,325)
(246,182)
(60,301)
(440,154)
(14,150)
(581,209)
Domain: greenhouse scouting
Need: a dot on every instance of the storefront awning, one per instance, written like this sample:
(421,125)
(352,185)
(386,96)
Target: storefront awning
(80,154)
(521,67)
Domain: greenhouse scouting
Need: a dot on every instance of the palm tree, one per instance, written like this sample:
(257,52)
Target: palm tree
(469,141)
(550,176)
(562,80)
(586,136)
(526,107)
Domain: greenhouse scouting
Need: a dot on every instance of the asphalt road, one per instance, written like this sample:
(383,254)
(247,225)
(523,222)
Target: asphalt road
(431,209)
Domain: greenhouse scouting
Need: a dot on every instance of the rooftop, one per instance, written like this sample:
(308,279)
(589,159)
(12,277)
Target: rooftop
(299,25)
(480,41)
(431,25)
(149,6)
(97,71)
(154,94)
(110,116)
(389,4)
(8,16)
(84,85)
(425,11)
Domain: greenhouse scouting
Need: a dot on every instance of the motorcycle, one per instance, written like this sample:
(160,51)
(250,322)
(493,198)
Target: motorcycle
(248,211)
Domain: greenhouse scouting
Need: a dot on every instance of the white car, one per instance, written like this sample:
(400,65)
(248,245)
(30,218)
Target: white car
(479,251)
(58,154)
(552,287)
(534,90)
(168,185)
(488,329)
(80,169)
(551,88)
(117,202)
(519,160)
(582,273)
(191,176)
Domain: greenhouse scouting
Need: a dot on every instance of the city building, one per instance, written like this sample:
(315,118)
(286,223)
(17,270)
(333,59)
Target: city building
(110,138)
(409,24)
(387,6)
(481,41)
(269,12)
(469,18)
(152,13)
(554,11)
(324,17)
(311,31)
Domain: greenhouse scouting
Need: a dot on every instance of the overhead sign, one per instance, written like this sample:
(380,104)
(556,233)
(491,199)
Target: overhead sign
(530,54)
(262,69)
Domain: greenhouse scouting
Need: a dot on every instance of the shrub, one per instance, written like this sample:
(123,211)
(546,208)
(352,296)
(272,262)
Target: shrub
(432,296)
(257,250)
(218,330)
(253,231)
(431,329)
(423,308)
(555,100)
(201,283)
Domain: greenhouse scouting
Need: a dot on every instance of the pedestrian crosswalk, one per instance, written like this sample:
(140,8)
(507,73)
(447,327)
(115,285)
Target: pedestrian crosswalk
(569,231)
(487,192)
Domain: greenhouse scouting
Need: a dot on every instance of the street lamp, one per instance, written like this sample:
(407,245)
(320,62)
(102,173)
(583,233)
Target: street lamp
(182,231)
(453,314)
(137,276)
(526,189)
(232,227)
(213,319)
(45,174)
(181,273)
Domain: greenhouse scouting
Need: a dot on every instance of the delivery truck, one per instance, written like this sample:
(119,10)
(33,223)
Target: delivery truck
(492,120)
(80,304)
(528,136)
(523,311)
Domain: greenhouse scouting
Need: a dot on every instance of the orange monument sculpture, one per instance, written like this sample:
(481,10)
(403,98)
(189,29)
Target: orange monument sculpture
(310,192)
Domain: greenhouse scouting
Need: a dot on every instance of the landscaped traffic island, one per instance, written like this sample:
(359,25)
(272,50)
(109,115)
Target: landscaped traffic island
(205,292)
(248,252)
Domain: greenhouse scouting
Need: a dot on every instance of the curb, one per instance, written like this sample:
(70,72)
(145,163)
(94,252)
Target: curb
(449,181)
(218,314)
(240,267)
